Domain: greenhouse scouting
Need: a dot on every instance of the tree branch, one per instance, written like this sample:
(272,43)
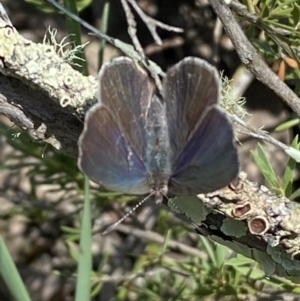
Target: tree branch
(251,220)
(37,85)
(251,58)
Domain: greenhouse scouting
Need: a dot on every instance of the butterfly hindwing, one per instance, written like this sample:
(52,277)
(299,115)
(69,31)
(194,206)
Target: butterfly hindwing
(209,160)
(203,156)
(107,158)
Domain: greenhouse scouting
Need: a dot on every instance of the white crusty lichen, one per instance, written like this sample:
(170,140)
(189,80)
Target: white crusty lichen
(272,221)
(39,66)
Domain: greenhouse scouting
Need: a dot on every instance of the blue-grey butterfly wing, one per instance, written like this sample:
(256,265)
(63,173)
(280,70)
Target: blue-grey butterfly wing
(125,89)
(190,87)
(209,160)
(203,156)
(107,158)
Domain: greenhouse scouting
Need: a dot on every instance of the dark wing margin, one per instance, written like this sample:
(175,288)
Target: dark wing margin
(107,158)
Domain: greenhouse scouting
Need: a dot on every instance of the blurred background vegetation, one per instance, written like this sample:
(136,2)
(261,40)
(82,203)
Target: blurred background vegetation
(41,190)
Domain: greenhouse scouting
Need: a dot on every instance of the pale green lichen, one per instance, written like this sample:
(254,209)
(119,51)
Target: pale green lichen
(40,67)
(232,227)
(229,101)
(191,207)
(62,48)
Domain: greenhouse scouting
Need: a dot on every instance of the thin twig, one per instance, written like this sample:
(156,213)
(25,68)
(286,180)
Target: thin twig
(167,43)
(152,24)
(127,49)
(152,236)
(251,58)
(130,277)
(263,135)
(132,28)
(258,133)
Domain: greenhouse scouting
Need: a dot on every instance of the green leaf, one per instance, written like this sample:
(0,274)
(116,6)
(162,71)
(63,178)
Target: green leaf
(239,260)
(257,274)
(244,270)
(288,176)
(83,284)
(73,250)
(190,206)
(282,6)
(293,153)
(296,14)
(265,167)
(69,230)
(287,125)
(233,227)
(295,194)
(265,48)
(209,249)
(250,31)
(10,275)
(96,289)
(221,254)
(103,28)
(280,14)
(265,12)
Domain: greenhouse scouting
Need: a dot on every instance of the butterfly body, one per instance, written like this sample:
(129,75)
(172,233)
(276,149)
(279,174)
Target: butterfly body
(136,143)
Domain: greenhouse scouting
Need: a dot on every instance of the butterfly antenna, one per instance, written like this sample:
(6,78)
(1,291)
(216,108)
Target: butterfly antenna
(113,226)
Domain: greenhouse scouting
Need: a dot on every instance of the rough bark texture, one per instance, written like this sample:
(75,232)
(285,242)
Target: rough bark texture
(40,91)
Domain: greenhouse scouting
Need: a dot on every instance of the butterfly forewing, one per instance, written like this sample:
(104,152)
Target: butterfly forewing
(125,89)
(190,87)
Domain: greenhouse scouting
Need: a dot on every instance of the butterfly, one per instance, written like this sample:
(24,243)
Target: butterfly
(179,144)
